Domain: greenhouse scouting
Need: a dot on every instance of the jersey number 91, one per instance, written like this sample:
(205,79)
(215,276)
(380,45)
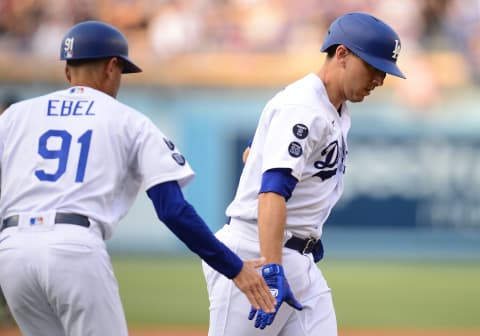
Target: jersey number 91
(62,154)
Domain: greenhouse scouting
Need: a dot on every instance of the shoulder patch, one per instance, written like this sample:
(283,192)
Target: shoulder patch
(178,158)
(295,149)
(300,131)
(169,144)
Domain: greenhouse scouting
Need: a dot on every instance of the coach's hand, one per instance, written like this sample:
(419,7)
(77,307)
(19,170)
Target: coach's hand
(276,281)
(254,287)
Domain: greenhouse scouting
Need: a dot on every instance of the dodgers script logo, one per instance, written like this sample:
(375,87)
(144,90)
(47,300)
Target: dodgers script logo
(333,159)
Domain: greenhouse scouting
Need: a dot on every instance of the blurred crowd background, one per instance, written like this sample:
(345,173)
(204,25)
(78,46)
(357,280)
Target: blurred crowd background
(172,27)
(159,30)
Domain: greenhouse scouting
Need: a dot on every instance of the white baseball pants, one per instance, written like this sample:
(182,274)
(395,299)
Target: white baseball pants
(59,281)
(229,307)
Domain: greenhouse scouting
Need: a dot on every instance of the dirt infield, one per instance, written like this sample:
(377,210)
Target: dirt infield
(347,332)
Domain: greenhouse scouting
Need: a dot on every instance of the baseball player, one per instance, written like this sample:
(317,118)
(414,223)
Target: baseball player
(5,315)
(72,163)
(292,179)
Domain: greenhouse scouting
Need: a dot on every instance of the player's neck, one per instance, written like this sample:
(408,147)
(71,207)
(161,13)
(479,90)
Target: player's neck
(331,86)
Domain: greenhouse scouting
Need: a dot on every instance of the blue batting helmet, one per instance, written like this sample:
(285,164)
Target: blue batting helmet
(369,38)
(94,40)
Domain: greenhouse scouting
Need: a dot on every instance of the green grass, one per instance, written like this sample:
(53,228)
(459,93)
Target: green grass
(157,291)
(398,294)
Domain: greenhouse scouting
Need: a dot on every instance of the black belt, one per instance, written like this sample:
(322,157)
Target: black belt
(60,218)
(306,246)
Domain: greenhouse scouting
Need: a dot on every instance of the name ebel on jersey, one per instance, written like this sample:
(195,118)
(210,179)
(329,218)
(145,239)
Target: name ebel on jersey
(332,160)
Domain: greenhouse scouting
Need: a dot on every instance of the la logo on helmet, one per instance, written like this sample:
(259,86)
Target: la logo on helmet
(396,49)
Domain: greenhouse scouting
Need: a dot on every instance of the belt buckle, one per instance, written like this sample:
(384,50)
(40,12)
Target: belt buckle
(309,244)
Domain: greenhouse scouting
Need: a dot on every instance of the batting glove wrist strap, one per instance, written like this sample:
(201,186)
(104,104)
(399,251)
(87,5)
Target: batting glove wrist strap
(269,270)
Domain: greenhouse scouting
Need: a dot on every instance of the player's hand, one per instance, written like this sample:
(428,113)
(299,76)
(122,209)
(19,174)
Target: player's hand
(275,278)
(254,287)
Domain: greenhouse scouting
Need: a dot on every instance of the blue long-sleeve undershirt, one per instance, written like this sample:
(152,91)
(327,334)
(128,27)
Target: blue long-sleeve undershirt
(182,219)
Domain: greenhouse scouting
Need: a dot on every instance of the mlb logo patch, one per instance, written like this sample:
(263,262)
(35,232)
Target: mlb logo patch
(36,220)
(76,90)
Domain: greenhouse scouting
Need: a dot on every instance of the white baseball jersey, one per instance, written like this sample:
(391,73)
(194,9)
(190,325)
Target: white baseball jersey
(82,151)
(298,129)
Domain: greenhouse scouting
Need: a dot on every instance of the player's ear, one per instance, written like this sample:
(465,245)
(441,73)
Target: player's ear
(108,66)
(67,73)
(341,53)
(112,65)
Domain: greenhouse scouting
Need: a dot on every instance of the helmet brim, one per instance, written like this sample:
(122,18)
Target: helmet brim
(129,66)
(381,64)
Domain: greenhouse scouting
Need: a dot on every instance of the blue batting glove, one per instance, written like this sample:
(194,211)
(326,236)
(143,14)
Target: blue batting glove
(276,281)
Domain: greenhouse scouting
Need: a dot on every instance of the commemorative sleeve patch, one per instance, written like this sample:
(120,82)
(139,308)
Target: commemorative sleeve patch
(295,149)
(169,144)
(178,158)
(300,131)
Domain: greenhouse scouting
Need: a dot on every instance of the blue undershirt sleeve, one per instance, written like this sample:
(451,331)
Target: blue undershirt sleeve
(280,181)
(182,219)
